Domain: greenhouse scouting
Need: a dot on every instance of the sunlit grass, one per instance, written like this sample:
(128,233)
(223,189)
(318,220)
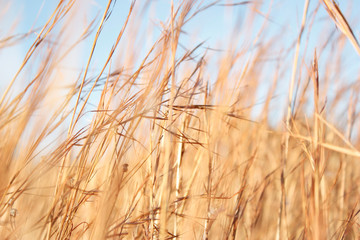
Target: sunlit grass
(169,141)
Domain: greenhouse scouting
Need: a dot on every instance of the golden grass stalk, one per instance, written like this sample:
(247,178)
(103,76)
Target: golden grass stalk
(335,13)
(282,222)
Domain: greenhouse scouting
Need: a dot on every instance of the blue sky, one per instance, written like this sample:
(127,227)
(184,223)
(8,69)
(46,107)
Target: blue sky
(212,25)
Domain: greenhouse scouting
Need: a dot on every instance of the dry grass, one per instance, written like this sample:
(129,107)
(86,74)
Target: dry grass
(152,145)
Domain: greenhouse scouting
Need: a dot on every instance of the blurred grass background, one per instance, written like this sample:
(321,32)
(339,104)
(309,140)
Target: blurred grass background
(189,120)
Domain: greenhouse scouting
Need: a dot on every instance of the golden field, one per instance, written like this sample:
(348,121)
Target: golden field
(163,139)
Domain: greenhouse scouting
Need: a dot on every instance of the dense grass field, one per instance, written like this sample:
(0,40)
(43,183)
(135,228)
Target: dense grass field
(167,137)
